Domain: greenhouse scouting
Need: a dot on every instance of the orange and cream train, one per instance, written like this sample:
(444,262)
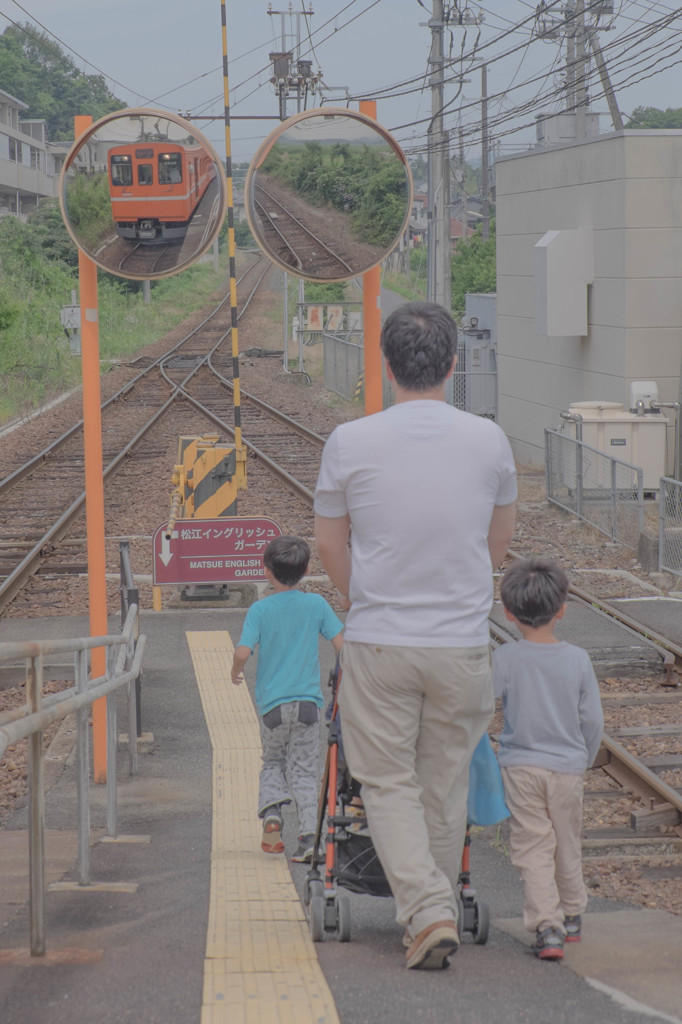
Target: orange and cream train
(156,187)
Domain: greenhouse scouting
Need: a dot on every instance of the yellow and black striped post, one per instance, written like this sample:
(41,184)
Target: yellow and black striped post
(241,454)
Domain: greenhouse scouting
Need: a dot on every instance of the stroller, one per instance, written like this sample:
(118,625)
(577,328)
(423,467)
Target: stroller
(350,860)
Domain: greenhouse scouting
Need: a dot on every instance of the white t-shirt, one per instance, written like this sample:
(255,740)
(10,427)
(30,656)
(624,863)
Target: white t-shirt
(420,481)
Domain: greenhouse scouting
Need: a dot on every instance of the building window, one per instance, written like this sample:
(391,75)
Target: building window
(15,151)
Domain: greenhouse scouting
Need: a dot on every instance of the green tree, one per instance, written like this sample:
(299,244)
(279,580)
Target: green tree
(473,268)
(35,70)
(652,117)
(332,291)
(53,238)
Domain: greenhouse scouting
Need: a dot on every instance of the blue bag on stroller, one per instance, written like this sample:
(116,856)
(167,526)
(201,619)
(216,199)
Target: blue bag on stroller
(486,804)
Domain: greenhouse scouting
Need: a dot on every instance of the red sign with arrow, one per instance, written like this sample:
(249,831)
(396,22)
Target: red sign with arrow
(226,550)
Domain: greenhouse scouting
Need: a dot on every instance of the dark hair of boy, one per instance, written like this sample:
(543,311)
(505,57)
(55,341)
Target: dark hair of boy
(287,559)
(534,590)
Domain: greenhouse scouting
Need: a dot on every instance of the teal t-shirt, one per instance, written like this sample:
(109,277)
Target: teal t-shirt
(286,628)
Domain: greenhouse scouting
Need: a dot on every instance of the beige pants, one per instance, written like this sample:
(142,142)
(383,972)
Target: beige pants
(410,720)
(546,822)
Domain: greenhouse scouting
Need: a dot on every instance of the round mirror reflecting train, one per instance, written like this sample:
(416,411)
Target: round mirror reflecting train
(143,193)
(328,194)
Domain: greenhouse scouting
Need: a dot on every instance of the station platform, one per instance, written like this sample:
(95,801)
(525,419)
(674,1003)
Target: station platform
(188,921)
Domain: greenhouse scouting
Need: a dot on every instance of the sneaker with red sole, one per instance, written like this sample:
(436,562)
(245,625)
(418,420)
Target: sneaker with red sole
(574,928)
(549,943)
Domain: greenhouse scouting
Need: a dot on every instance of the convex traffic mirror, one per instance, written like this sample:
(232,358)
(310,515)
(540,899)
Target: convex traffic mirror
(328,194)
(142,193)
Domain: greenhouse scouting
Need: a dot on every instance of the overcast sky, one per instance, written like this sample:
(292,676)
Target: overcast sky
(168,54)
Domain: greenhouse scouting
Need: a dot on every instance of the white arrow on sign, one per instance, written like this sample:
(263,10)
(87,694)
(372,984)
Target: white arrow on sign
(166,553)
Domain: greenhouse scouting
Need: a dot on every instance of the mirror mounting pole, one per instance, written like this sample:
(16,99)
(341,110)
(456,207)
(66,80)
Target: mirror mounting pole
(94,486)
(371,317)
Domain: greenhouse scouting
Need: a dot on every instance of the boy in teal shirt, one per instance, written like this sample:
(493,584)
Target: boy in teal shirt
(286,627)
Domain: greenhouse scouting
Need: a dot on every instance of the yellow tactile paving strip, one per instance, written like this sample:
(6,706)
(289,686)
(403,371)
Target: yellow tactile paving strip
(260,965)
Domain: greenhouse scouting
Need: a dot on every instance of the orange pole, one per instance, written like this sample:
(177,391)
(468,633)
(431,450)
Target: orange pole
(371,317)
(94,487)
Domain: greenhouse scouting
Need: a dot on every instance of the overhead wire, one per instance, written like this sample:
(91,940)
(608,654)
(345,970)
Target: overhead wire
(624,42)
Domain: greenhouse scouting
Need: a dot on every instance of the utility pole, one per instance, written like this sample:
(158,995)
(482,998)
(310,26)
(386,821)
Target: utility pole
(581,99)
(438,248)
(485,187)
(570,60)
(292,76)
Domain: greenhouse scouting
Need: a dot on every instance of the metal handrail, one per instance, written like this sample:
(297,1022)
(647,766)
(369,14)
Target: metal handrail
(124,659)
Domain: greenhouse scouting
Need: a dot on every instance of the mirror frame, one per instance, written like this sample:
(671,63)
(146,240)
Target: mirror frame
(265,148)
(130,113)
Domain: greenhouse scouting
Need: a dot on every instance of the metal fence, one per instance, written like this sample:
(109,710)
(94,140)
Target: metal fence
(124,659)
(603,491)
(474,382)
(670,526)
(343,364)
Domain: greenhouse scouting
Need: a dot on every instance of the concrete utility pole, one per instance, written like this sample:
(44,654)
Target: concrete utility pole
(581,98)
(292,76)
(438,248)
(570,60)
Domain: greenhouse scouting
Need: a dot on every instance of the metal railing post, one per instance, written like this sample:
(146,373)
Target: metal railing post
(662,500)
(112,738)
(82,771)
(133,724)
(36,827)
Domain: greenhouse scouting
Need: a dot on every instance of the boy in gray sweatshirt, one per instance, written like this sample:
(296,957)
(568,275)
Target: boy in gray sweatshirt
(553,723)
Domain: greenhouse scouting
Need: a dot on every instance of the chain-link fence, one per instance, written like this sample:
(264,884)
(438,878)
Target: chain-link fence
(603,491)
(670,526)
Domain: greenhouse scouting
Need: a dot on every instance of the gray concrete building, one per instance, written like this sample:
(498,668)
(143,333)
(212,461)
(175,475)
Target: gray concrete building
(589,279)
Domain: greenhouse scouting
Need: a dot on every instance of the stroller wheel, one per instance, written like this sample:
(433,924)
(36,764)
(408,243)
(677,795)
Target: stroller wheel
(482,925)
(313,887)
(316,918)
(460,919)
(343,918)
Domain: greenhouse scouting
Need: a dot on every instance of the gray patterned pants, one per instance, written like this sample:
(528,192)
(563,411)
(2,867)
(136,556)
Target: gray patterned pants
(290,734)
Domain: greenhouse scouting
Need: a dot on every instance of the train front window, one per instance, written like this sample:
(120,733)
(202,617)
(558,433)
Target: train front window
(145,174)
(170,168)
(121,170)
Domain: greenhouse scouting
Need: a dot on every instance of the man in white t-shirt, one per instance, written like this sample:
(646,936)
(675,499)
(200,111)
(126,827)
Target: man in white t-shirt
(414,507)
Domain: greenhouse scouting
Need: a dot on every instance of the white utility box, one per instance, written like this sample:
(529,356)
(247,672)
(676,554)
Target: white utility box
(638,439)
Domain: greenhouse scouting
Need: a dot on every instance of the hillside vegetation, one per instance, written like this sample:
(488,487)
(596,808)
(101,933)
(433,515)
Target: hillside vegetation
(38,271)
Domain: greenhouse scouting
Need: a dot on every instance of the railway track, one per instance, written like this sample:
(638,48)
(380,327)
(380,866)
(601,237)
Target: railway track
(185,390)
(294,243)
(188,389)
(144,259)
